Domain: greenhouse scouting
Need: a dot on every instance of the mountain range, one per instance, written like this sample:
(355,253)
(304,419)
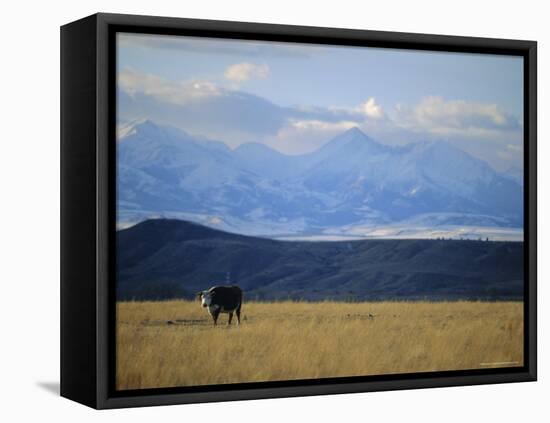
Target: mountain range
(351,181)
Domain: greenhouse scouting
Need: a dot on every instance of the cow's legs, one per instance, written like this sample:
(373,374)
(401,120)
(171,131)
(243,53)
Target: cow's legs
(238,313)
(215,315)
(230,318)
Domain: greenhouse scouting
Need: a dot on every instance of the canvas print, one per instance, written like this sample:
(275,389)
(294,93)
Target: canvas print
(297,211)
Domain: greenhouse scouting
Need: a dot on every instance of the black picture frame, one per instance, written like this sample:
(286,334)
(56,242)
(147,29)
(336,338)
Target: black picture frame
(88,208)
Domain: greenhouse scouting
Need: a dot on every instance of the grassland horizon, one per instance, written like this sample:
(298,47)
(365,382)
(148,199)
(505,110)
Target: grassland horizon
(174,343)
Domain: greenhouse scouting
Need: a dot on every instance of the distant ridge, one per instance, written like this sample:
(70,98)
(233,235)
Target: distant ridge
(163,258)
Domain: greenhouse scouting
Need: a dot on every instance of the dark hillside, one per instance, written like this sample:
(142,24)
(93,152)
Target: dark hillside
(159,259)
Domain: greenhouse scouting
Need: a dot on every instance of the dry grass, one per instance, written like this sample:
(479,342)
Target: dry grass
(296,340)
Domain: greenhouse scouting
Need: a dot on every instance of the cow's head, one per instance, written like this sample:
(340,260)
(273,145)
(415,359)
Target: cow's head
(205,297)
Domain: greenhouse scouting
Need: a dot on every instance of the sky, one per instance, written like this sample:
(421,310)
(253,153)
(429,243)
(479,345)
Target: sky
(296,97)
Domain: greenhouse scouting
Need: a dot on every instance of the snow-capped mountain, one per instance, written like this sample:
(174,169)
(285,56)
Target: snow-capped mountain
(351,180)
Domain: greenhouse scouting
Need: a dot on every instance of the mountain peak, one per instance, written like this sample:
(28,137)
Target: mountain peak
(155,132)
(355,131)
(125,129)
(353,139)
(354,134)
(147,123)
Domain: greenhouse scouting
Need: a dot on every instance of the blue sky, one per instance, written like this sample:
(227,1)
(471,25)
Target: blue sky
(295,97)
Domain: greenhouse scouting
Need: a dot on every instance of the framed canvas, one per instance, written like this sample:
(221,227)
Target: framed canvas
(257,211)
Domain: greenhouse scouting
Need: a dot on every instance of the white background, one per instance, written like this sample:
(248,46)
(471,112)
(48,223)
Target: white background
(29,177)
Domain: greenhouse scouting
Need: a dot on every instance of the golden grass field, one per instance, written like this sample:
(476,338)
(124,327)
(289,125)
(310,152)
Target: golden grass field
(174,343)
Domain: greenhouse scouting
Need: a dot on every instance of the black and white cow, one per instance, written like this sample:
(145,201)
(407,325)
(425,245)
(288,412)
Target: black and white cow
(222,299)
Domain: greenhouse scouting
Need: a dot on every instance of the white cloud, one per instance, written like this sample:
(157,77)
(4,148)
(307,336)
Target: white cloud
(320,125)
(241,72)
(371,109)
(441,117)
(176,92)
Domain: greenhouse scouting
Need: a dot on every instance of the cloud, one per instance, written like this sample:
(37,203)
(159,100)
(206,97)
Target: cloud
(199,107)
(435,115)
(319,125)
(371,109)
(241,72)
(176,92)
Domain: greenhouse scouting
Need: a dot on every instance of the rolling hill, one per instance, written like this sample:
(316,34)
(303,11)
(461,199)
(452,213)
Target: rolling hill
(164,258)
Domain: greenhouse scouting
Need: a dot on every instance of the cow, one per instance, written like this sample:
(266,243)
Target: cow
(222,299)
